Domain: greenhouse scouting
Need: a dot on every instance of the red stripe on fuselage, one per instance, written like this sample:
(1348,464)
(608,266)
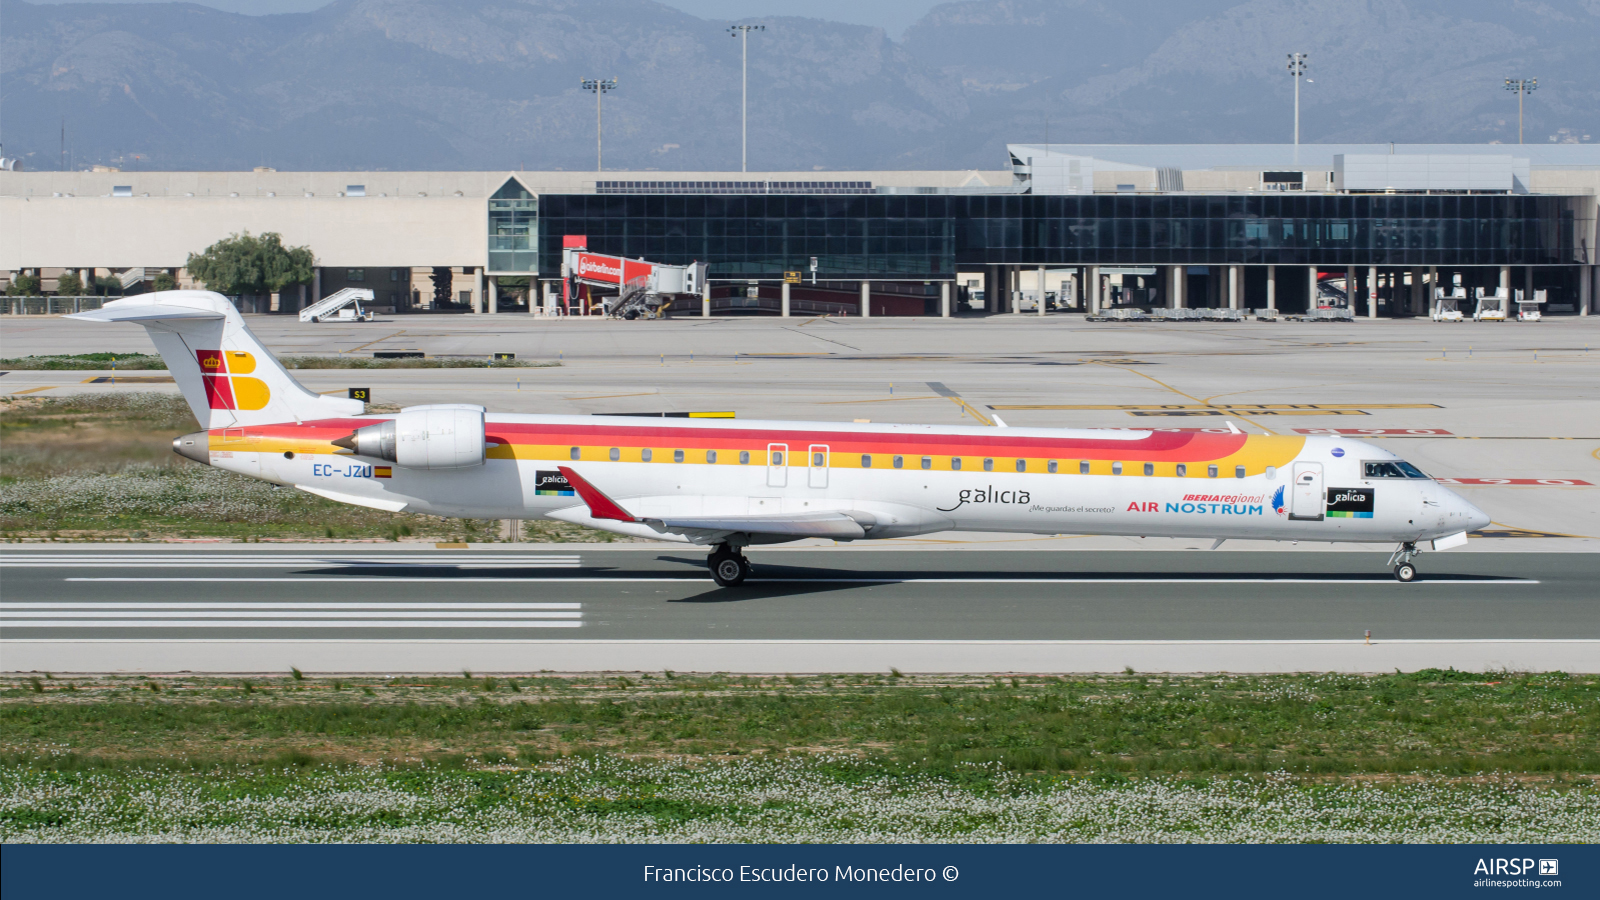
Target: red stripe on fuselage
(1157,446)
(1163,446)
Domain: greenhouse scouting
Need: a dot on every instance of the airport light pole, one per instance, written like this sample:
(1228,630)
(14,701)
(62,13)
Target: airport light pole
(742,32)
(1522,87)
(599,88)
(1297,68)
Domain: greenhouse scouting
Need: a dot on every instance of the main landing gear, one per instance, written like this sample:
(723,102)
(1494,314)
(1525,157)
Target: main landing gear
(1401,558)
(728,566)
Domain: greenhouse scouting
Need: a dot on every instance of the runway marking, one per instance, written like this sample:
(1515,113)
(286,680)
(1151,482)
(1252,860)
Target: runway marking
(1547,482)
(1244,408)
(12,617)
(46,561)
(908,642)
(272,604)
(694,579)
(1375,432)
(35,390)
(279,623)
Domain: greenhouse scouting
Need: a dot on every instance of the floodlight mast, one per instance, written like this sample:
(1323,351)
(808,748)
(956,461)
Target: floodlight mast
(742,32)
(1522,87)
(1297,68)
(599,88)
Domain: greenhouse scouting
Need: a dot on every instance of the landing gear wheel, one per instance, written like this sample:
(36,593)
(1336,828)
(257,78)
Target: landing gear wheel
(1405,573)
(728,568)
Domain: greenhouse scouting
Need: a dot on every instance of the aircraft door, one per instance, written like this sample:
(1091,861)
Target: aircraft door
(1308,495)
(817,466)
(777,465)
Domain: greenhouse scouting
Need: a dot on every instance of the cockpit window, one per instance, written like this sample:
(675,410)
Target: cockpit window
(1395,468)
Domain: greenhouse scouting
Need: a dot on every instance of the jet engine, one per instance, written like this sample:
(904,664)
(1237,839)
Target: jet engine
(441,436)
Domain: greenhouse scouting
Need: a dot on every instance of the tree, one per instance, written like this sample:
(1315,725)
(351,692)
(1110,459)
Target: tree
(69,284)
(243,264)
(23,286)
(164,282)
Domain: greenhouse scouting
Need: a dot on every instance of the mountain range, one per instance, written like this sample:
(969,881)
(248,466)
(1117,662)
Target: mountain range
(495,84)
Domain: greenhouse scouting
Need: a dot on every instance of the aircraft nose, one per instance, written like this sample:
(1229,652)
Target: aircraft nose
(1476,518)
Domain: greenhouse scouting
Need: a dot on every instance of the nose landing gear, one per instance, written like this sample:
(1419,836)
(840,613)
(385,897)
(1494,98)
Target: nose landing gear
(728,566)
(1401,558)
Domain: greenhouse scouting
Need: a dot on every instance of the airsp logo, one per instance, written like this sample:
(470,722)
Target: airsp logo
(1549,867)
(1502,866)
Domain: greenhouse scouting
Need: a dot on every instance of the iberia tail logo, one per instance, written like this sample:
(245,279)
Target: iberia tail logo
(1277,501)
(222,372)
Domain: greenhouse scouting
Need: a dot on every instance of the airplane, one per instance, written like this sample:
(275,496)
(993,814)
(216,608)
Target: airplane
(729,485)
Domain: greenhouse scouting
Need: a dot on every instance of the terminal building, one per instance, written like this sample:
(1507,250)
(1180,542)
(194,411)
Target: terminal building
(1061,227)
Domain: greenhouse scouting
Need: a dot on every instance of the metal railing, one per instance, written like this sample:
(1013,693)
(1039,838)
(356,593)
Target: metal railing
(49,306)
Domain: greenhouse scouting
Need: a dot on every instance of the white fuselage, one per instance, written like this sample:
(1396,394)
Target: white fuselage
(1072,481)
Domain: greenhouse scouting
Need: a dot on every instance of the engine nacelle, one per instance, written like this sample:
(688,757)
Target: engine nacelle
(441,436)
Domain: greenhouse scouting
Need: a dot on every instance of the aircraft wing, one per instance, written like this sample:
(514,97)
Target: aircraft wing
(837,526)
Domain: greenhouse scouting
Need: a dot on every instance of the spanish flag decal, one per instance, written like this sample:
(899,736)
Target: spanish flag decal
(382,472)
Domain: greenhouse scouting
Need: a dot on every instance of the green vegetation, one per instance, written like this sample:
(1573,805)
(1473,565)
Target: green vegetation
(23,286)
(101,466)
(1436,722)
(243,264)
(1432,756)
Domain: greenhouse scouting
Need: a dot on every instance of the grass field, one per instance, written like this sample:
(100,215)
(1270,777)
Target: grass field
(1432,756)
(101,467)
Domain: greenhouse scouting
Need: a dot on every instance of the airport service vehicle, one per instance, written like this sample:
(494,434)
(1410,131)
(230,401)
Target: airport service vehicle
(342,306)
(728,485)
(1447,307)
(1528,310)
(1491,307)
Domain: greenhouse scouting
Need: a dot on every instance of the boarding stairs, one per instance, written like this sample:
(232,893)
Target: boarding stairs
(342,306)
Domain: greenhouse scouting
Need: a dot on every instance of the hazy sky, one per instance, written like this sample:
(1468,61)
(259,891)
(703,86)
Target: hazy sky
(894,16)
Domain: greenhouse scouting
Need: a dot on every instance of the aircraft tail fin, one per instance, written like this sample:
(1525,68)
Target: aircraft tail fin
(221,367)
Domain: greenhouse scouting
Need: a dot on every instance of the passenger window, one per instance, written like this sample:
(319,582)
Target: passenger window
(777,457)
(955,462)
(927,462)
(615,454)
(1051,466)
(866,460)
(711,456)
(816,459)
(574,452)
(645,454)
(1238,471)
(1116,468)
(677,456)
(744,457)
(899,461)
(1083,467)
(1149,469)
(1211,471)
(1022,465)
(1183,470)
(988,465)
(1272,473)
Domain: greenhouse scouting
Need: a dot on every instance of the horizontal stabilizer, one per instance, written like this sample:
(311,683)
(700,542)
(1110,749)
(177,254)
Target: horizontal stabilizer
(144,312)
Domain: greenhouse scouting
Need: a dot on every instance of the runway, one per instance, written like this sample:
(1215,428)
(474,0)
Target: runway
(652,607)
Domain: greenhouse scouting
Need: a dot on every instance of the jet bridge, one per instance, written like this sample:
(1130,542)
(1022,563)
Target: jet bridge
(342,306)
(642,288)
